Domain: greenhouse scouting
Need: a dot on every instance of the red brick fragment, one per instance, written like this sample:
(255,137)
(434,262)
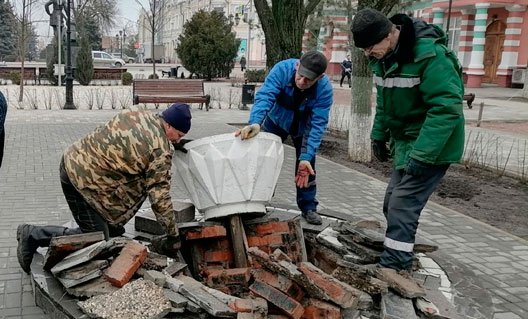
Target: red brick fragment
(126,264)
(216,277)
(272,228)
(241,305)
(267,240)
(318,309)
(206,232)
(280,282)
(218,256)
(339,292)
(282,301)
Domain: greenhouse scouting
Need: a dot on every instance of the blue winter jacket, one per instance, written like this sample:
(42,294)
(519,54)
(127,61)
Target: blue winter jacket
(274,101)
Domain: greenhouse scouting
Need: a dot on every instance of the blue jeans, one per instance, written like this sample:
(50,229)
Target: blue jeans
(405,198)
(305,196)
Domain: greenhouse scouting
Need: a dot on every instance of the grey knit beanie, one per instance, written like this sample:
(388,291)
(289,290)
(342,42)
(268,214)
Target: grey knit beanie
(369,27)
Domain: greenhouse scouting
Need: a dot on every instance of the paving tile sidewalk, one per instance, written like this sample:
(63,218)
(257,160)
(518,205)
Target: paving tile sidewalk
(30,192)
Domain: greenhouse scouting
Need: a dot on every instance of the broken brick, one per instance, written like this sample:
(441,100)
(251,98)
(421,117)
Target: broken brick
(267,240)
(253,308)
(217,277)
(61,246)
(317,309)
(339,292)
(272,228)
(282,301)
(218,256)
(126,264)
(280,282)
(206,232)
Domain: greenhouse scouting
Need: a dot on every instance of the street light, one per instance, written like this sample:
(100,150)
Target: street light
(121,37)
(69,72)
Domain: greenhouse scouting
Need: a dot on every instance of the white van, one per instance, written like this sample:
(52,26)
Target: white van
(101,58)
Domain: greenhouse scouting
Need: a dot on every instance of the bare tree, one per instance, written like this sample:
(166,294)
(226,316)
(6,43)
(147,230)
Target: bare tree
(24,23)
(154,18)
(102,11)
(283,23)
(360,109)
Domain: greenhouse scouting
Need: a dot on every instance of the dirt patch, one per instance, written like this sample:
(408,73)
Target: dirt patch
(498,201)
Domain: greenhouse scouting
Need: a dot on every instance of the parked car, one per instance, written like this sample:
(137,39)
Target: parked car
(126,58)
(101,58)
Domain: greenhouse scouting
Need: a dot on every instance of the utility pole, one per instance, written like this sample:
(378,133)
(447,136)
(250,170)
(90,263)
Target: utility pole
(69,72)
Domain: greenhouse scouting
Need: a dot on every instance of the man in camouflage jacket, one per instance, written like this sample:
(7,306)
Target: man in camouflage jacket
(107,175)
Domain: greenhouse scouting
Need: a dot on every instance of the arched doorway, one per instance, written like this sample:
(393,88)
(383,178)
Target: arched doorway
(493,50)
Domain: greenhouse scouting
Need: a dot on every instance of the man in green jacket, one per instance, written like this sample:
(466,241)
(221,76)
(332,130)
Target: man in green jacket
(418,113)
(107,175)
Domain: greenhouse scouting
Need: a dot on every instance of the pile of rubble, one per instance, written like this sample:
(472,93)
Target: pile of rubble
(292,271)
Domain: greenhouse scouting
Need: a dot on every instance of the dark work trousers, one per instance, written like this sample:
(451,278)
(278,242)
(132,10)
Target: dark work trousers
(305,196)
(88,219)
(405,197)
(343,75)
(2,141)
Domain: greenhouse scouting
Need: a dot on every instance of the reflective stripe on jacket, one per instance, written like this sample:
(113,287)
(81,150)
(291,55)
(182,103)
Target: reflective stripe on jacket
(419,105)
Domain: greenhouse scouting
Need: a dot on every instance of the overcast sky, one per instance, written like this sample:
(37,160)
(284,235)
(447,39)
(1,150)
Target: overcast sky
(128,12)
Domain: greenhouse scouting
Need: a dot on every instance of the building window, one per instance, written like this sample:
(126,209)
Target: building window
(454,33)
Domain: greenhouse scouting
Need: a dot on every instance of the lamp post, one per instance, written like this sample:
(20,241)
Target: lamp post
(120,39)
(248,50)
(69,72)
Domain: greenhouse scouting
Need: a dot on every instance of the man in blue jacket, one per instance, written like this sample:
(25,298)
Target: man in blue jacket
(295,100)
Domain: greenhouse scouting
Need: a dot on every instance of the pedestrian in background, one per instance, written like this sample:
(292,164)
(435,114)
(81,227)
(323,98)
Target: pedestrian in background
(242,64)
(295,101)
(346,71)
(419,113)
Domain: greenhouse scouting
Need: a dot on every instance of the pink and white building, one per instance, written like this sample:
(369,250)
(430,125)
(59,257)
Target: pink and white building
(491,38)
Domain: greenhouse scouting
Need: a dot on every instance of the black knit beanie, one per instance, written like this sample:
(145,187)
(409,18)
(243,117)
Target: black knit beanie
(178,115)
(369,27)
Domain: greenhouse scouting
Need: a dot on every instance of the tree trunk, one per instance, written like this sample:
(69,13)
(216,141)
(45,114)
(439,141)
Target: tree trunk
(22,50)
(283,25)
(360,110)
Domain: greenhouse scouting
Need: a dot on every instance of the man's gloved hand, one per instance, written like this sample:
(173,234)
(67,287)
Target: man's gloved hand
(303,174)
(380,150)
(248,131)
(416,168)
(180,145)
(166,245)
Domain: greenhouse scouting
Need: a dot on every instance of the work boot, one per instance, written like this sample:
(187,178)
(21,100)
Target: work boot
(25,248)
(31,237)
(312,217)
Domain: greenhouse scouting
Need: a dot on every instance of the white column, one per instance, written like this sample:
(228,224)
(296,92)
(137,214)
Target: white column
(476,65)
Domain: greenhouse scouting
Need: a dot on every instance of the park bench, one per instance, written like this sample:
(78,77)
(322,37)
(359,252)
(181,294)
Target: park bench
(30,73)
(170,91)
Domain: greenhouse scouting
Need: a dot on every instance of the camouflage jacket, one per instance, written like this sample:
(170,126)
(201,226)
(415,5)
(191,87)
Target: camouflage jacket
(120,163)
